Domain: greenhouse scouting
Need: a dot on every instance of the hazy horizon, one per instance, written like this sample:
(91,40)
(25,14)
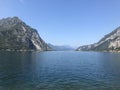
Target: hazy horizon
(66,22)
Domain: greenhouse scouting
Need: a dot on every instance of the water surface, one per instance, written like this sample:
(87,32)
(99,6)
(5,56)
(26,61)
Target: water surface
(59,70)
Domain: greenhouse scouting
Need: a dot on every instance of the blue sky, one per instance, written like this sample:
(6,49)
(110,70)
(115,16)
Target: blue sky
(66,22)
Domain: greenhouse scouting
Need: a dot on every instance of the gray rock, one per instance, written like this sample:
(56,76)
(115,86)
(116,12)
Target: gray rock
(16,35)
(110,42)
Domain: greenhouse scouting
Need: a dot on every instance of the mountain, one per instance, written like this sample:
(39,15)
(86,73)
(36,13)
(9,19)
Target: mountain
(110,42)
(61,48)
(16,35)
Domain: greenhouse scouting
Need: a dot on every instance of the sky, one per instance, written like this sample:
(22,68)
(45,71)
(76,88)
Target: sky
(66,22)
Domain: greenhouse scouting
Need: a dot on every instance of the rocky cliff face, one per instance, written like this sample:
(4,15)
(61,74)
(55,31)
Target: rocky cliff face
(16,35)
(110,42)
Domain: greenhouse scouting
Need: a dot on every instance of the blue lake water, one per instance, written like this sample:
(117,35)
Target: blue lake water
(56,70)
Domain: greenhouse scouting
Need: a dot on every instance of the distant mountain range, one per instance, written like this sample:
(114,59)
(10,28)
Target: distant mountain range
(61,48)
(110,42)
(17,35)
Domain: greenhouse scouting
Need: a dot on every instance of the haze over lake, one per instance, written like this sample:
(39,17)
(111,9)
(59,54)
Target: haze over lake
(59,70)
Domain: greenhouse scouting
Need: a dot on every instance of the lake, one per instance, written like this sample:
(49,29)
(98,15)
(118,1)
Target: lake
(59,70)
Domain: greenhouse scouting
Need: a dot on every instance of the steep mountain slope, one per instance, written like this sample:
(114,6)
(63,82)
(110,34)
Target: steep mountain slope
(110,42)
(16,35)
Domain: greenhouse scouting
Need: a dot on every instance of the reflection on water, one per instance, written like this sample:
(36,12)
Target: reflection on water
(59,71)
